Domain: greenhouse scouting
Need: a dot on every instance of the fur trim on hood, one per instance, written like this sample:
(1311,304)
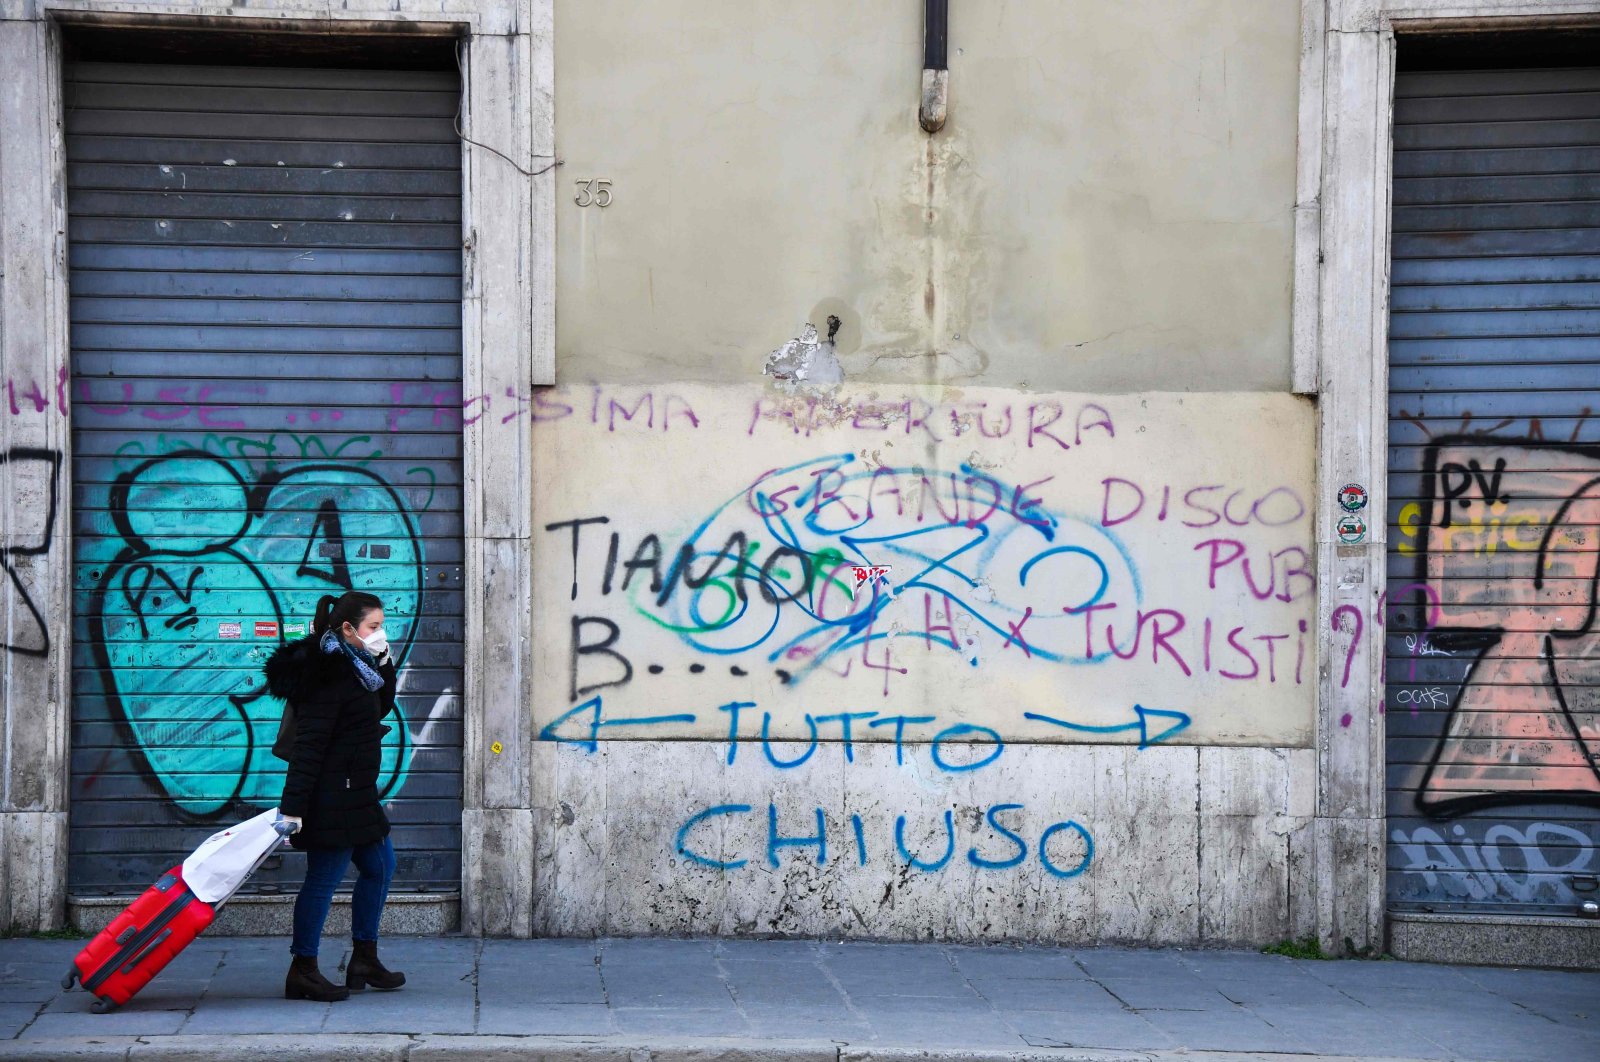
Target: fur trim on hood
(295,664)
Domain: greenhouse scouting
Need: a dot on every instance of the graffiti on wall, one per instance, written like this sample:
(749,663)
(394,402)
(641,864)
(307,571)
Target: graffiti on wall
(1508,539)
(28,632)
(947,576)
(1493,667)
(200,550)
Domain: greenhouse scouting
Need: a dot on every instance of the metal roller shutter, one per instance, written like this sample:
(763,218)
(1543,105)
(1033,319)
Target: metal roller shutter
(266,407)
(1493,649)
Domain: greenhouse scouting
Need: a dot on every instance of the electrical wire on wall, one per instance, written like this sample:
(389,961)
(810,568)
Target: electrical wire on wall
(461,101)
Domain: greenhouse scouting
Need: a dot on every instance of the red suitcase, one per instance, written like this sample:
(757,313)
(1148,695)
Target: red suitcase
(125,955)
(139,942)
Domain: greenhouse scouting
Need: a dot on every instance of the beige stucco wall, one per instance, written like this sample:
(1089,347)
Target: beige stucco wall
(1107,209)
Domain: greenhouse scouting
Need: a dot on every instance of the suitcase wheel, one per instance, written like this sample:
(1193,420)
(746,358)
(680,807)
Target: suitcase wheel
(70,978)
(103,1006)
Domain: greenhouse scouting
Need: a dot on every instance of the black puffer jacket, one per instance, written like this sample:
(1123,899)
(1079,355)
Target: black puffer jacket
(333,771)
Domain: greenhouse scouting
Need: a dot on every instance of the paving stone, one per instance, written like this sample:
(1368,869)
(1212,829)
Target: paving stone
(1290,989)
(453,947)
(580,985)
(1400,975)
(1497,978)
(18,1014)
(1117,1030)
(117,1023)
(569,1019)
(234,1017)
(27,949)
(896,983)
(767,951)
(1218,1029)
(544,948)
(1040,994)
(786,966)
(1017,963)
(1505,1045)
(1125,962)
(805,1020)
(28,991)
(1577,1009)
(922,1028)
(650,949)
(813,990)
(1165,993)
(846,1030)
(1351,1031)
(32,971)
(702,993)
(1228,963)
(681,1021)
(879,956)
(410,1010)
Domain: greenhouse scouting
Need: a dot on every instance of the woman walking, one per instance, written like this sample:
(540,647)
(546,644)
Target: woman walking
(339,683)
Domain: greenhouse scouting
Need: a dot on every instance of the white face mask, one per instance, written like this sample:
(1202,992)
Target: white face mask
(376,642)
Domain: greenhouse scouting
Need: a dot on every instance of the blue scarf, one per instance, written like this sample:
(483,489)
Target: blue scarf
(366,667)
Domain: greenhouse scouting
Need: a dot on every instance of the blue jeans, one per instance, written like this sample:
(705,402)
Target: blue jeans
(325,869)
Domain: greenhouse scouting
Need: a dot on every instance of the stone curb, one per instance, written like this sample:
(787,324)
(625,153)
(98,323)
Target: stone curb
(380,1047)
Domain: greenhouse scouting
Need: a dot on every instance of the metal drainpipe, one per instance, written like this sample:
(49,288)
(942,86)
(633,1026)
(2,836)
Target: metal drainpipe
(935,64)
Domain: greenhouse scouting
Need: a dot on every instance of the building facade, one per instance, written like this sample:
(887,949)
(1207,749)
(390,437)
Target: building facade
(1098,473)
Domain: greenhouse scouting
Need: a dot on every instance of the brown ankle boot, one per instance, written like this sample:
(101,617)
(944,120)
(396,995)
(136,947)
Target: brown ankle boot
(364,968)
(305,981)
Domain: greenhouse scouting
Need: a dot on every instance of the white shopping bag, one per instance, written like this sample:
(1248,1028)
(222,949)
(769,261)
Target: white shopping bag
(216,869)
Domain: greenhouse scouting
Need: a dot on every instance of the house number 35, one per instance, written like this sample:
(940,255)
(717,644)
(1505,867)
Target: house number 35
(593,192)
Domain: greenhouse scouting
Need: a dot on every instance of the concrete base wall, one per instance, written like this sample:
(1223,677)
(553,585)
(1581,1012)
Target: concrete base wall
(273,916)
(1566,943)
(1189,846)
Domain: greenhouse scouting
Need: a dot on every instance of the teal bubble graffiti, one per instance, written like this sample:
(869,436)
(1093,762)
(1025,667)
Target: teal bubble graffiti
(200,544)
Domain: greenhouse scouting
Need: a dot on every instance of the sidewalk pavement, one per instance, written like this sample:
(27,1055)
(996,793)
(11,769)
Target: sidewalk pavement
(632,1000)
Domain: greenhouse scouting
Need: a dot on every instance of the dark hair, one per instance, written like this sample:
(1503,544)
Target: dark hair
(351,607)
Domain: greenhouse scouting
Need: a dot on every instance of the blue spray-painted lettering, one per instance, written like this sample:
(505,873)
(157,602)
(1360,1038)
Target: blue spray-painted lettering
(695,820)
(900,722)
(1173,722)
(1000,864)
(844,719)
(766,743)
(958,730)
(1044,853)
(593,706)
(775,841)
(861,840)
(733,708)
(949,846)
